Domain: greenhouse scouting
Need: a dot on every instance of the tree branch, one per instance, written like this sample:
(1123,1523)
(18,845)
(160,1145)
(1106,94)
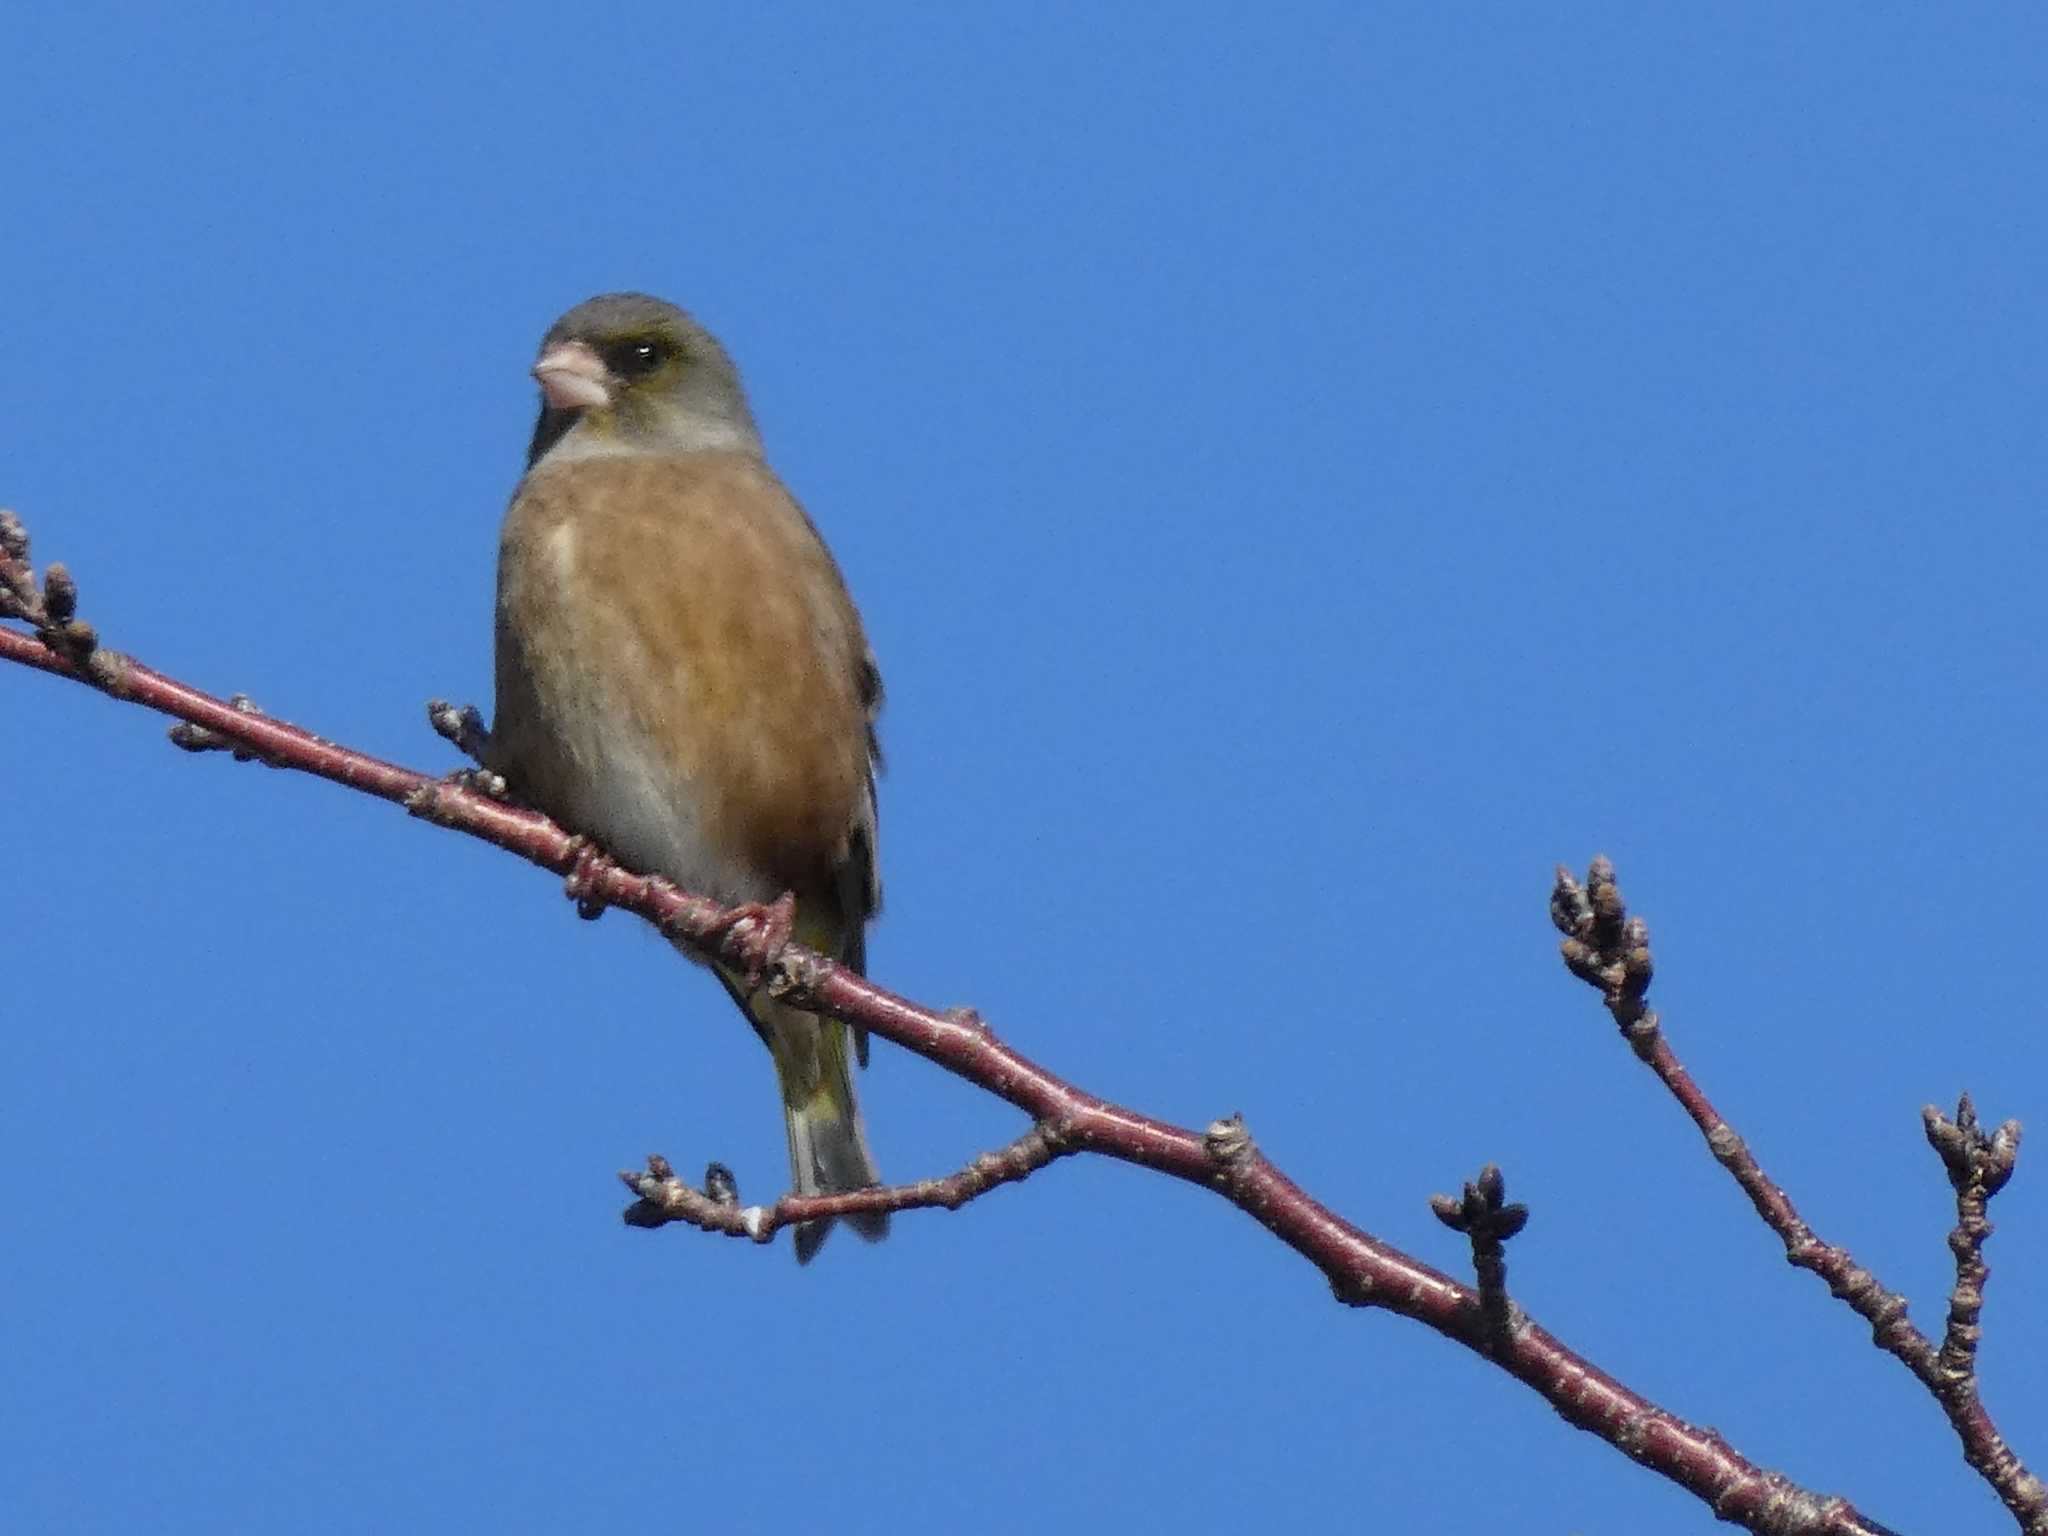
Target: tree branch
(1610,950)
(1361,1269)
(664,1197)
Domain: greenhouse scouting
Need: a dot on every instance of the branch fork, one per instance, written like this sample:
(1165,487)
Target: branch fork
(1610,950)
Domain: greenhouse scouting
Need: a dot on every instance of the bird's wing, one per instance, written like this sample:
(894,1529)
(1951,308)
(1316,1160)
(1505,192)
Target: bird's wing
(859,874)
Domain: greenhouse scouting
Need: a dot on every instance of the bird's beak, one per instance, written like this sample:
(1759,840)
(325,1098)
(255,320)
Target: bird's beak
(572,377)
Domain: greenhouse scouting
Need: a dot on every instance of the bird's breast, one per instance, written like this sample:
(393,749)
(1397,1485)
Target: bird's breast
(678,671)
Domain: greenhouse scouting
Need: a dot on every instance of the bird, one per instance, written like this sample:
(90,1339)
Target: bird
(683,679)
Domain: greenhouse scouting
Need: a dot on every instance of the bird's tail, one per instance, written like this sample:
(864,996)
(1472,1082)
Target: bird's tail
(828,1147)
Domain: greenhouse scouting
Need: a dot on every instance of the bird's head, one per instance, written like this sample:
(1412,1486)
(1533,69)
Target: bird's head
(626,373)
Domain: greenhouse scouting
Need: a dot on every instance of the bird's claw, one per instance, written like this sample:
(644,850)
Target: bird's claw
(774,920)
(478,781)
(586,876)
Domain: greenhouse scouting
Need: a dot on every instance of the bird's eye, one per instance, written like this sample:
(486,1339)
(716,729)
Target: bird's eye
(632,359)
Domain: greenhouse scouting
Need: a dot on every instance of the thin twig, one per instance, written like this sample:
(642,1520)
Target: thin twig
(664,1197)
(462,725)
(1978,1164)
(1486,1217)
(1610,950)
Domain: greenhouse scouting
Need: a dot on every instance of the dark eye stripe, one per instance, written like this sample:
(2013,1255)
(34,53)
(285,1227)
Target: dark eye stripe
(631,359)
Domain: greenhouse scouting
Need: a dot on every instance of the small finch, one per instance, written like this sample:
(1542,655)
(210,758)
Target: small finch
(682,677)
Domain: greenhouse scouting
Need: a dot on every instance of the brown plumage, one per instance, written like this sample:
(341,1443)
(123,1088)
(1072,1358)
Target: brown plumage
(745,661)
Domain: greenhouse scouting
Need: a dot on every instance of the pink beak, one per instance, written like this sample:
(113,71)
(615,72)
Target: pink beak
(572,377)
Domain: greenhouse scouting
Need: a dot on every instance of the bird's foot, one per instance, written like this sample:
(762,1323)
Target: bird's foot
(585,877)
(773,922)
(478,781)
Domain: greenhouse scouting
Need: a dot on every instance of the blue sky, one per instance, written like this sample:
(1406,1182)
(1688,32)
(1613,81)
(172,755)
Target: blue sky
(1305,475)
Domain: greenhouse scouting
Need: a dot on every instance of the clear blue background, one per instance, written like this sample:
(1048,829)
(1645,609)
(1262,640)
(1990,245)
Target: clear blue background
(1306,473)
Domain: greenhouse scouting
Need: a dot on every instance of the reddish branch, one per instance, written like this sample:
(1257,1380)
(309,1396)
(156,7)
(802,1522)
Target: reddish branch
(1361,1269)
(664,1197)
(1610,950)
